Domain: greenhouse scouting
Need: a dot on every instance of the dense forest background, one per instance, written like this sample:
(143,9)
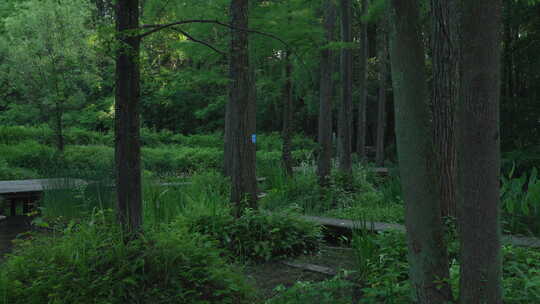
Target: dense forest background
(56,67)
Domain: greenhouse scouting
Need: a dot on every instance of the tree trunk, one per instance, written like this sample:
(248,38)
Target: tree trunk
(382,37)
(428,258)
(287,117)
(127,148)
(362,87)
(444,95)
(59,127)
(241,114)
(345,111)
(478,148)
(227,140)
(324,164)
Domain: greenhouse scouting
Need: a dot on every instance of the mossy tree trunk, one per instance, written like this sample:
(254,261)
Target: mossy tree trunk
(428,260)
(345,110)
(241,114)
(478,146)
(127,139)
(382,54)
(324,164)
(287,116)
(362,86)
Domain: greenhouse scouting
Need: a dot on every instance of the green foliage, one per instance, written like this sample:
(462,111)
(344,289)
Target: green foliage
(333,291)
(520,198)
(259,236)
(29,154)
(90,263)
(48,62)
(13,173)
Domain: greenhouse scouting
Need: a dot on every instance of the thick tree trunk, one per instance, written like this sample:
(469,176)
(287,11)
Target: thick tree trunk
(478,146)
(345,113)
(127,148)
(287,117)
(382,39)
(362,87)
(428,260)
(445,92)
(241,114)
(324,164)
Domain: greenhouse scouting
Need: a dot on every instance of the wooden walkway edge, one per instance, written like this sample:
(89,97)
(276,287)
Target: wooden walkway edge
(520,241)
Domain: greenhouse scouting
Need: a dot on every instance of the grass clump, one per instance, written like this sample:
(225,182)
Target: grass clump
(90,263)
(333,291)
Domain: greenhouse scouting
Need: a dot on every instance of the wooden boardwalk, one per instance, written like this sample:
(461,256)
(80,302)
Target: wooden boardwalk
(28,192)
(521,241)
(38,185)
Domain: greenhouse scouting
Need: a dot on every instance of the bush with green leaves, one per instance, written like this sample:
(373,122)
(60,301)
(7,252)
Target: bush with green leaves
(14,173)
(29,154)
(258,236)
(91,263)
(520,199)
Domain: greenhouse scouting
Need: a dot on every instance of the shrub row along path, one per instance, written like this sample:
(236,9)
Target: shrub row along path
(378,226)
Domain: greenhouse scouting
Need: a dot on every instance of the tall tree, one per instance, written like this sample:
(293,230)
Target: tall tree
(127,137)
(287,108)
(47,61)
(345,110)
(324,164)
(241,114)
(362,86)
(478,148)
(444,94)
(382,54)
(287,116)
(428,258)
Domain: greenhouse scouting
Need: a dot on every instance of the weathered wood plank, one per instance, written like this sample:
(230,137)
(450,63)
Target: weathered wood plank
(350,224)
(311,267)
(520,241)
(38,185)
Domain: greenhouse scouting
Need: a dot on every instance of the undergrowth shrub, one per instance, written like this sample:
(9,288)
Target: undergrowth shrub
(258,236)
(181,159)
(333,291)
(95,160)
(29,155)
(10,135)
(90,263)
(13,173)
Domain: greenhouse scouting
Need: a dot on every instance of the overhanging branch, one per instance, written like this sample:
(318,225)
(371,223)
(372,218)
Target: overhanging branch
(159,27)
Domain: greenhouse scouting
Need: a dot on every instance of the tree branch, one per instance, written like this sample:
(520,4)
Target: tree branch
(159,27)
(199,41)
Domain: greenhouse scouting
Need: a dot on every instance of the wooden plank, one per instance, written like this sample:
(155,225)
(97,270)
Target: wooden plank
(38,185)
(312,267)
(381,171)
(350,224)
(513,240)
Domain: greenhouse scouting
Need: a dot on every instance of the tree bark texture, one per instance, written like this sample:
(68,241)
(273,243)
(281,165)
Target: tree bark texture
(241,114)
(127,140)
(324,164)
(362,87)
(444,95)
(382,53)
(428,258)
(287,117)
(478,148)
(345,111)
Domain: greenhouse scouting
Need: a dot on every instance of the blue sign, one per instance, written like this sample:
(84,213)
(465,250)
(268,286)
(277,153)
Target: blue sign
(253,138)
